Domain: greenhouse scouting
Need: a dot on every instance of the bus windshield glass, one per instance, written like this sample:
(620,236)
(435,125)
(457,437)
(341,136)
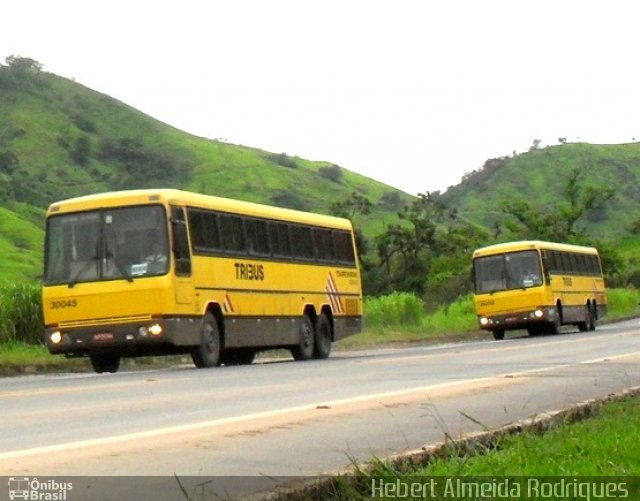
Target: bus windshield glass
(107,244)
(514,270)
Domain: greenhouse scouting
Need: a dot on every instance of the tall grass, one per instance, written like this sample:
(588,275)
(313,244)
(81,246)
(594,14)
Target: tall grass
(20,312)
(622,302)
(398,309)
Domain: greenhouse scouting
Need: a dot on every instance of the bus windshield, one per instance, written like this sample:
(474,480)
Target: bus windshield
(106,244)
(514,270)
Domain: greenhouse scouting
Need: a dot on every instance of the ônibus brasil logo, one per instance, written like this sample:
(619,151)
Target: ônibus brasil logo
(38,490)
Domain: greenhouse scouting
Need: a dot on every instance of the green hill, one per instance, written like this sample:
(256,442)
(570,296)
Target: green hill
(540,176)
(59,139)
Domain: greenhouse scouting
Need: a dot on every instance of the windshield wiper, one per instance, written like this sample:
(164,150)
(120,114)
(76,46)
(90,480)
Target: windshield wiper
(75,278)
(121,269)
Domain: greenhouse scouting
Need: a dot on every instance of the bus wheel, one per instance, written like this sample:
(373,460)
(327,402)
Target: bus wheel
(498,334)
(105,362)
(586,324)
(592,318)
(207,353)
(553,327)
(304,350)
(323,337)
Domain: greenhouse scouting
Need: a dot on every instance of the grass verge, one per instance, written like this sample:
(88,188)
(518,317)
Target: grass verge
(578,452)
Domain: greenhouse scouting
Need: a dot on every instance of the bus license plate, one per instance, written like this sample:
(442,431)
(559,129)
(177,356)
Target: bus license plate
(101,337)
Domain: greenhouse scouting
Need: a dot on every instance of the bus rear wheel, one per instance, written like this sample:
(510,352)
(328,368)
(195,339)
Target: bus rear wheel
(207,353)
(322,337)
(588,324)
(305,348)
(591,326)
(105,362)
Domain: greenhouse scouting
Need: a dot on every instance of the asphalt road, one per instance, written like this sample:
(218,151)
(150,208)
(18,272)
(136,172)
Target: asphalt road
(246,428)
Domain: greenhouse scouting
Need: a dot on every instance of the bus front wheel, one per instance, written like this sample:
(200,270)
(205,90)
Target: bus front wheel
(498,334)
(207,353)
(105,362)
(304,349)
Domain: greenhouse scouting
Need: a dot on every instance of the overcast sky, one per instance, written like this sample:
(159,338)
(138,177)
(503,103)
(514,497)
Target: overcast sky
(413,93)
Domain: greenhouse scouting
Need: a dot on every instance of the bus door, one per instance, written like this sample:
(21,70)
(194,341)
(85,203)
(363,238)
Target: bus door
(185,292)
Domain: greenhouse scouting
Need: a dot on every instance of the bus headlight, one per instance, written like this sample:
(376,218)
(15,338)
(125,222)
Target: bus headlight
(55,337)
(150,330)
(538,313)
(484,321)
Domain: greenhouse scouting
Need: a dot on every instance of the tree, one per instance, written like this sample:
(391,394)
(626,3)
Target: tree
(536,144)
(405,250)
(356,204)
(558,221)
(348,209)
(423,254)
(22,64)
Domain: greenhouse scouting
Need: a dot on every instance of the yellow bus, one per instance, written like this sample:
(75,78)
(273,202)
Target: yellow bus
(153,272)
(537,286)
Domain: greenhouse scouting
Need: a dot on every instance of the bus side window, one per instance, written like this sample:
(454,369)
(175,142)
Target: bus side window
(180,242)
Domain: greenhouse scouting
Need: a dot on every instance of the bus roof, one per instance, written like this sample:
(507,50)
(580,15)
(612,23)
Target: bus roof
(532,244)
(190,199)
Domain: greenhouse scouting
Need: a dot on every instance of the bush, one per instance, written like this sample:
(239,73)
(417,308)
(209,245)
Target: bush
(332,173)
(398,309)
(622,302)
(21,312)
(459,316)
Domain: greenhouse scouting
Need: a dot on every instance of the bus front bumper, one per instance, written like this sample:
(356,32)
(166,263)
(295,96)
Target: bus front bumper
(128,339)
(518,320)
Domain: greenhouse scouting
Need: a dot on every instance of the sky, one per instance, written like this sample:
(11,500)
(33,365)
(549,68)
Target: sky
(412,93)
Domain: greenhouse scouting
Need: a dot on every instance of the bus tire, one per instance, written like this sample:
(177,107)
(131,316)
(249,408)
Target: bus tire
(584,325)
(305,348)
(591,326)
(553,327)
(589,323)
(105,362)
(322,337)
(207,353)
(498,334)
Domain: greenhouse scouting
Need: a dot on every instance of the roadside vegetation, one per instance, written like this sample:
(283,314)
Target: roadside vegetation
(575,459)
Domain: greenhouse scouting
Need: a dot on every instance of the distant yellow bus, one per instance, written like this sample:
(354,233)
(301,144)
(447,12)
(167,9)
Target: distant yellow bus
(152,272)
(537,286)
